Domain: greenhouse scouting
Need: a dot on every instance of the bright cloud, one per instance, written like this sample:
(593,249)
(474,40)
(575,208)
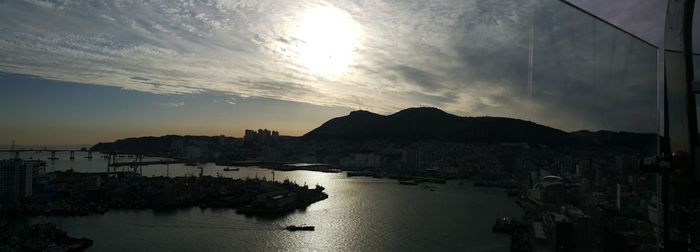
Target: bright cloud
(468,57)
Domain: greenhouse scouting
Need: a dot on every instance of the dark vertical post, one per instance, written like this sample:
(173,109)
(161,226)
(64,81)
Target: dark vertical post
(72,155)
(111,159)
(680,182)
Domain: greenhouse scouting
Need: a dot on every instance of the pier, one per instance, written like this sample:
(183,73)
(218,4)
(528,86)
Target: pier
(136,162)
(143,163)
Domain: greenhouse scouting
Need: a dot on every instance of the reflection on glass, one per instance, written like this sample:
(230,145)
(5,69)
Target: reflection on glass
(297,125)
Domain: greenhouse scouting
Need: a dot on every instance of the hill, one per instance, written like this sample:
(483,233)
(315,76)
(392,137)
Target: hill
(406,126)
(164,145)
(434,124)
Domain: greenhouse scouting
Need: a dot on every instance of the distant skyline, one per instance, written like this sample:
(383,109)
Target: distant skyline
(80,72)
(40,112)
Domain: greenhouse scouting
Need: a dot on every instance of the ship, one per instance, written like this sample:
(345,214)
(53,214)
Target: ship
(300,228)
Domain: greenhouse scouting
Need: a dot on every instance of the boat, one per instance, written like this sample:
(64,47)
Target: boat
(503,225)
(319,187)
(230,169)
(300,228)
(190,164)
(407,182)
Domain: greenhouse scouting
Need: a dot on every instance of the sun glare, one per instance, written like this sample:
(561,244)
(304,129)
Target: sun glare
(327,38)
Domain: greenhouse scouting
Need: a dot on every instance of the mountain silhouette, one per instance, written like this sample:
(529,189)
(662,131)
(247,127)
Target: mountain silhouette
(425,123)
(410,125)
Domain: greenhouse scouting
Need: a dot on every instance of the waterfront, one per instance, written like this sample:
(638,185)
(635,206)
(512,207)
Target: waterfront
(361,214)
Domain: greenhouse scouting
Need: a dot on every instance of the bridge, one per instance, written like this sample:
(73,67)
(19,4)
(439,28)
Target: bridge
(113,158)
(52,151)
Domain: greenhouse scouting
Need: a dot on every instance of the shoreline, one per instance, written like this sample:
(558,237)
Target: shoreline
(40,237)
(80,194)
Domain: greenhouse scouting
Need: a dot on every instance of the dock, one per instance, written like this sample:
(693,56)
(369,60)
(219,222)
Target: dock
(144,163)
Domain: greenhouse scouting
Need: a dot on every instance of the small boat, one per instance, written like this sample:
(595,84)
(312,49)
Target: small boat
(230,169)
(407,182)
(503,225)
(300,228)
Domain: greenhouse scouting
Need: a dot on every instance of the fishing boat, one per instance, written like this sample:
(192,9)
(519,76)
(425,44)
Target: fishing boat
(407,182)
(300,228)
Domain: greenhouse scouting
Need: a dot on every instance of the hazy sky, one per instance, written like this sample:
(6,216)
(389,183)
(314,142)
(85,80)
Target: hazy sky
(217,67)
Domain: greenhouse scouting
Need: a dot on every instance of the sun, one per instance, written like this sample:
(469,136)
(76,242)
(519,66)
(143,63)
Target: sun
(327,38)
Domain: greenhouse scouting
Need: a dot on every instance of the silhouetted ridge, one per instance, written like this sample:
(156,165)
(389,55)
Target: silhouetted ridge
(164,145)
(362,113)
(434,124)
(409,125)
(612,138)
(423,112)
(357,122)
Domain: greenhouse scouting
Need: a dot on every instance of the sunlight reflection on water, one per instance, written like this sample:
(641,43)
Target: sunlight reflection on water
(361,214)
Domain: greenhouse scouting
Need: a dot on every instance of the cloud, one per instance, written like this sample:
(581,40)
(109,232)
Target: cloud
(416,77)
(175,104)
(468,57)
(643,18)
(139,78)
(231,101)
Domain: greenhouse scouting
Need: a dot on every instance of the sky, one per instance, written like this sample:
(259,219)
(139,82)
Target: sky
(90,70)
(63,113)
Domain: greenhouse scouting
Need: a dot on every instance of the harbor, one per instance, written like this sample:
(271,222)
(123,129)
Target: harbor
(72,193)
(379,210)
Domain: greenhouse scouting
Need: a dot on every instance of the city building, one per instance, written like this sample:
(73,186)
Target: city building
(362,160)
(412,158)
(261,135)
(550,190)
(15,181)
(194,152)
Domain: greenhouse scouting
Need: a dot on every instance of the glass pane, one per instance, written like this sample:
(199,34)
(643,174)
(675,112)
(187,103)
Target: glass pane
(478,125)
